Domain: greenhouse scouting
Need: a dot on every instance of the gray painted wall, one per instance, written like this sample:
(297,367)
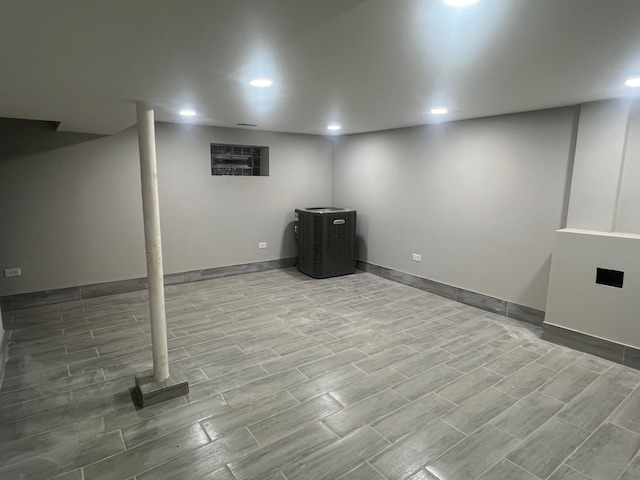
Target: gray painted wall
(604,227)
(628,213)
(72,214)
(480,200)
(600,153)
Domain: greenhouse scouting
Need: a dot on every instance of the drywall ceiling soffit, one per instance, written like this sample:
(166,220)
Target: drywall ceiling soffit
(370,64)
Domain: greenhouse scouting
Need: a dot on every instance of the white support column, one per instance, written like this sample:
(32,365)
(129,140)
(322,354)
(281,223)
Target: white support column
(153,244)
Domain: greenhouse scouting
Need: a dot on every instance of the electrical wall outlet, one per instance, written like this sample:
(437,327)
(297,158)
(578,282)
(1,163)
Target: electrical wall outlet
(416,258)
(12,272)
(262,245)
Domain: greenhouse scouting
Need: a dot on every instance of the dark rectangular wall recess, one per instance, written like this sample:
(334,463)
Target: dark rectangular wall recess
(239,160)
(613,278)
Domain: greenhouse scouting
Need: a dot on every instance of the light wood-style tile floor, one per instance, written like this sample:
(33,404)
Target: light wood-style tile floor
(353,377)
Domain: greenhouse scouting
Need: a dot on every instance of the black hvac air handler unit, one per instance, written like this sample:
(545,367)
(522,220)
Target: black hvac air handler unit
(326,241)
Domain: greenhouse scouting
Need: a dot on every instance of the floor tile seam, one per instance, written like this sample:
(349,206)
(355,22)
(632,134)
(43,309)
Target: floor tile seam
(35,414)
(143,420)
(391,442)
(504,457)
(15,337)
(406,377)
(72,353)
(378,419)
(456,428)
(200,345)
(363,398)
(43,455)
(31,455)
(460,371)
(510,374)
(195,357)
(464,438)
(36,328)
(568,405)
(185,452)
(506,432)
(573,364)
(51,452)
(279,412)
(590,434)
(574,470)
(626,467)
(294,367)
(539,389)
(600,373)
(110,356)
(504,393)
(246,427)
(558,467)
(606,420)
(165,434)
(269,374)
(613,366)
(439,387)
(574,450)
(356,367)
(551,368)
(418,352)
(48,394)
(249,425)
(96,332)
(340,438)
(3,442)
(488,422)
(34,356)
(477,364)
(532,349)
(504,352)
(368,462)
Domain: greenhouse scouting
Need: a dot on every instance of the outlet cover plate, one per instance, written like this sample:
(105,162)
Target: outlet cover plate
(262,245)
(12,272)
(416,258)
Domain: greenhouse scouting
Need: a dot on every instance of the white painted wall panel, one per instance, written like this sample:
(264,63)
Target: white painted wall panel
(576,302)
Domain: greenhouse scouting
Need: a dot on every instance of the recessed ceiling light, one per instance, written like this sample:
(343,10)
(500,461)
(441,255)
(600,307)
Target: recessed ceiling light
(460,3)
(188,112)
(439,111)
(261,82)
(633,82)
(334,127)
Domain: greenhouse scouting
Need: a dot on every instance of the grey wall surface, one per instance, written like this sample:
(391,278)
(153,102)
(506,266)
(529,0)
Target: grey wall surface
(479,200)
(599,165)
(603,228)
(628,214)
(72,214)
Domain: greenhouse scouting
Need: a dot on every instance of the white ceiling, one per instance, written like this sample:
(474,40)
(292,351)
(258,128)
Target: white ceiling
(368,64)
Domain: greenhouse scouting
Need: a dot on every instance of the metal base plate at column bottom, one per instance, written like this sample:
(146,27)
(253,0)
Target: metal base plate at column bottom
(150,392)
